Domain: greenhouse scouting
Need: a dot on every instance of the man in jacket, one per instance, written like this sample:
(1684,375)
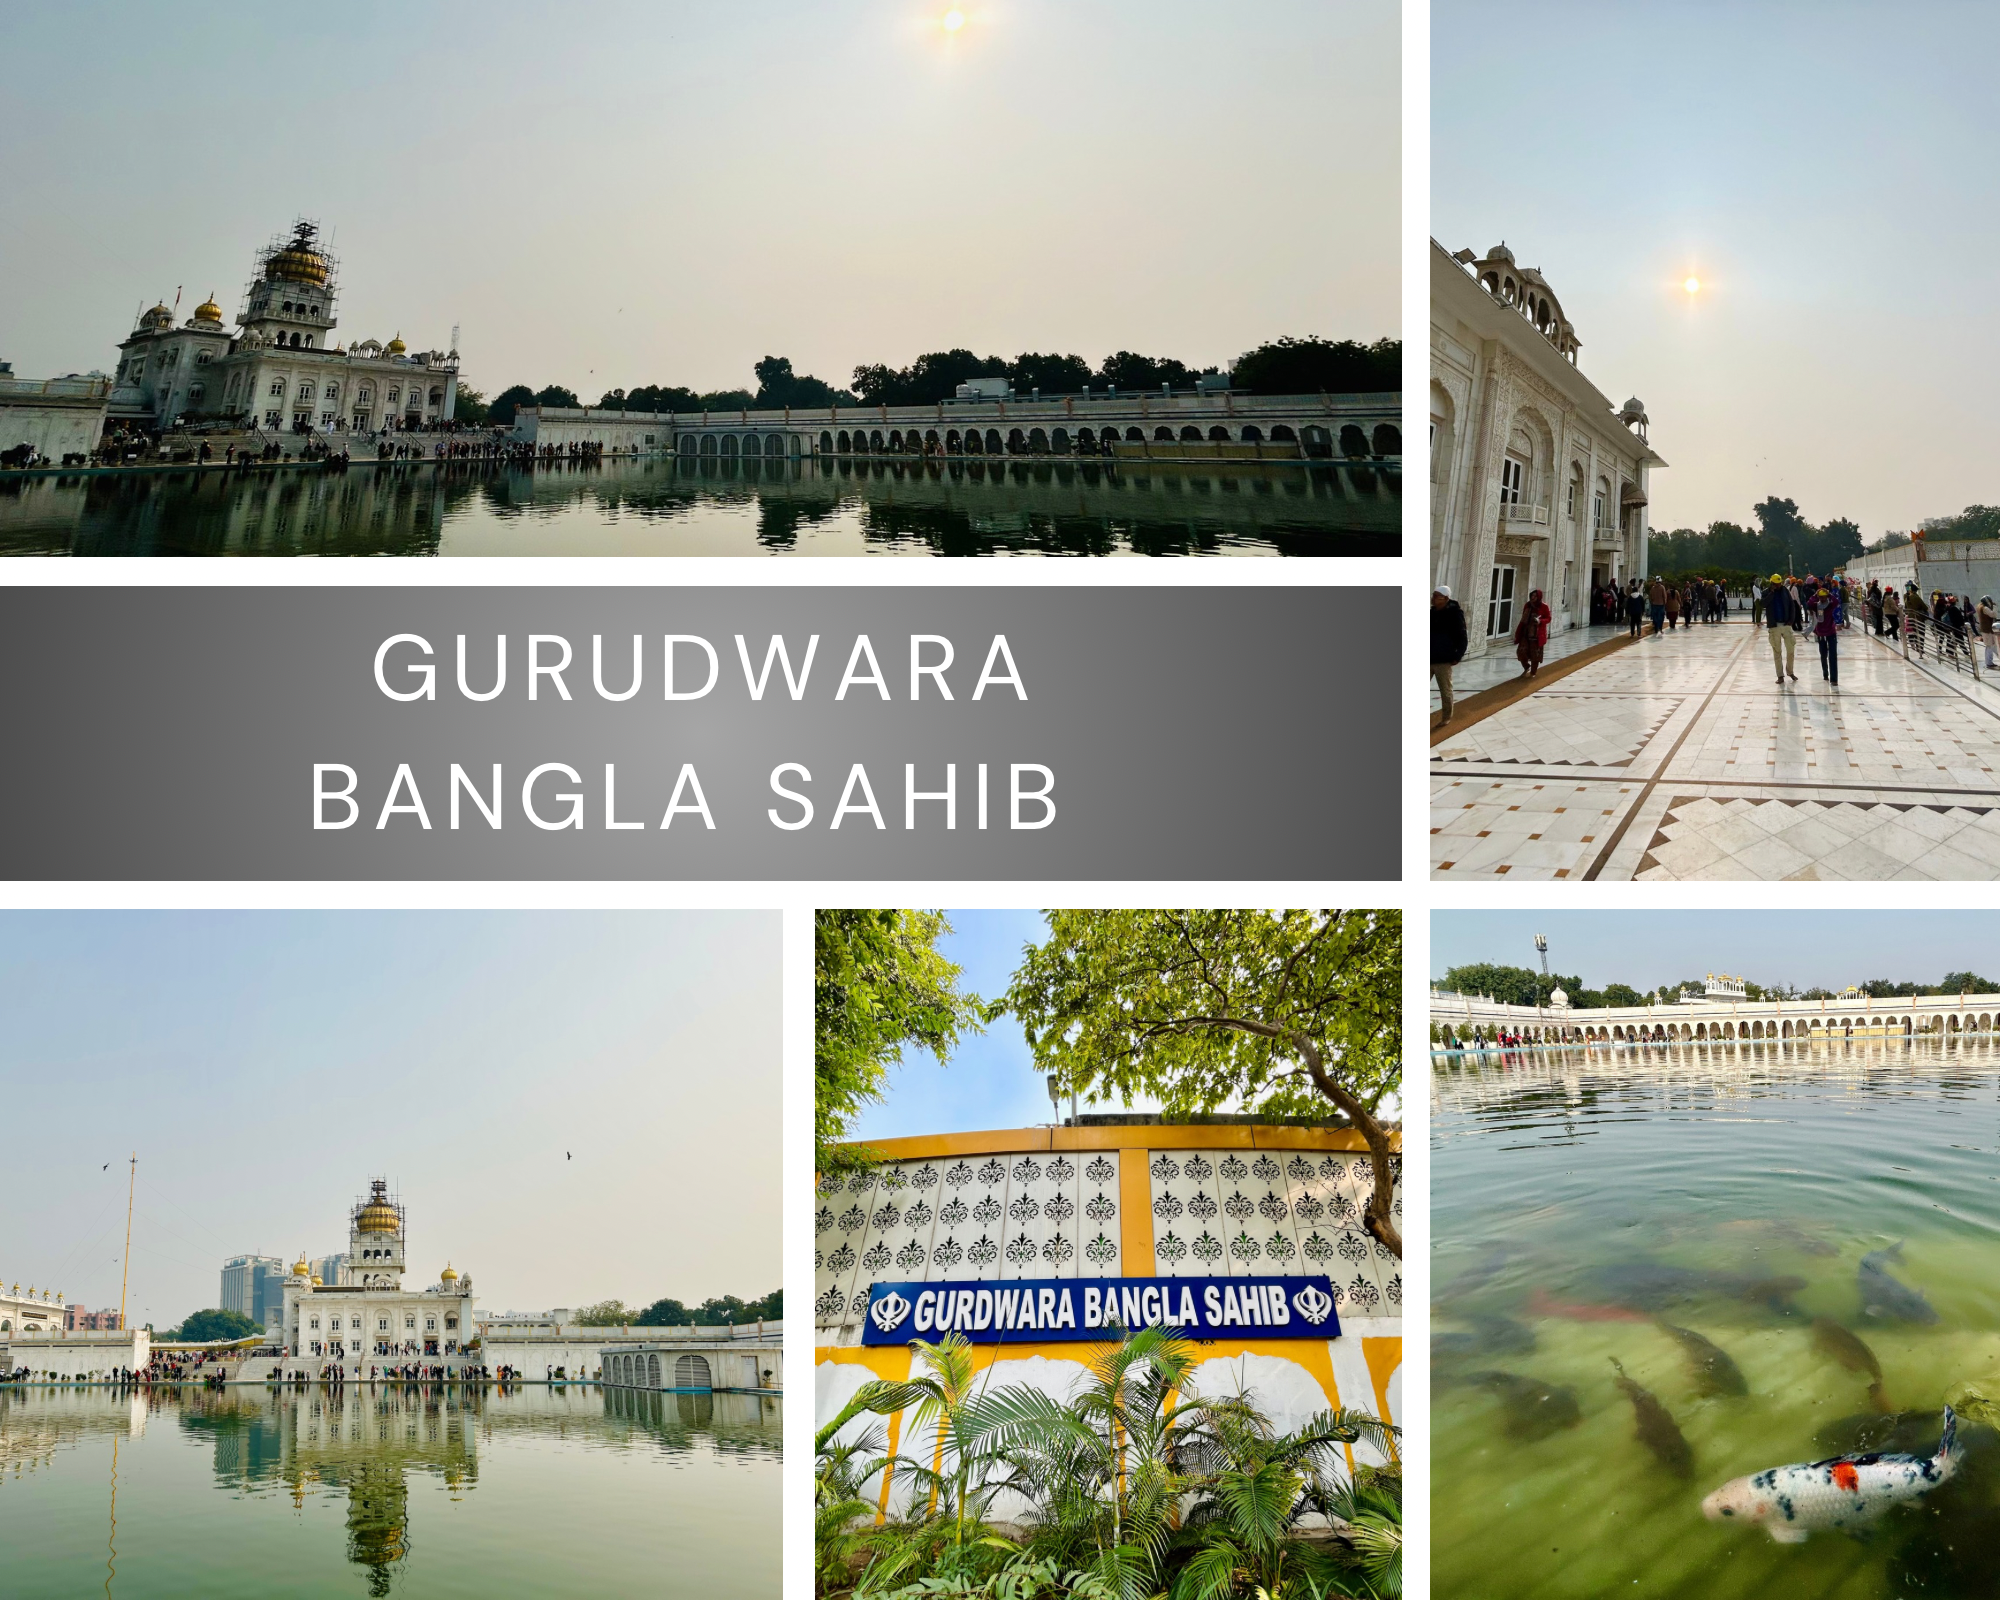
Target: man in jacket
(1656,598)
(1447,643)
(1782,619)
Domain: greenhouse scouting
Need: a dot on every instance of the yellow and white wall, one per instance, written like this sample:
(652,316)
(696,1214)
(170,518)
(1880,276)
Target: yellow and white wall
(1140,1200)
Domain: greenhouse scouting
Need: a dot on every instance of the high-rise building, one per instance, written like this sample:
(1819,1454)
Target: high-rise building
(242,1286)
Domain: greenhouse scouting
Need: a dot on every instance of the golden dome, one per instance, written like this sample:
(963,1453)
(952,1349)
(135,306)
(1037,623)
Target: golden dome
(300,1269)
(298,262)
(316,1283)
(208,310)
(395,346)
(448,1276)
(378,1216)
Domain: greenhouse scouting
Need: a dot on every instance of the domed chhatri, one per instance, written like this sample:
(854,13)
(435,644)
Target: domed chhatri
(208,311)
(395,346)
(301,1268)
(447,1276)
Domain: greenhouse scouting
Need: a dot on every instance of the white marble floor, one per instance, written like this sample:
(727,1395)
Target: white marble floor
(1681,758)
(1498,665)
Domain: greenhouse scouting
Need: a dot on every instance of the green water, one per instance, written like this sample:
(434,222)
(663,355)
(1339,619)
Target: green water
(660,507)
(1565,1181)
(385,1490)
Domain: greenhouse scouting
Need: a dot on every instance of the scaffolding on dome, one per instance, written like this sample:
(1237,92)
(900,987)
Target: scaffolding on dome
(296,256)
(378,1196)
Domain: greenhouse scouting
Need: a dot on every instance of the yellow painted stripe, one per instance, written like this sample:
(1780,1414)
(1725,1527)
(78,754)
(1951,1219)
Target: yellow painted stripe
(1189,1136)
(1135,1213)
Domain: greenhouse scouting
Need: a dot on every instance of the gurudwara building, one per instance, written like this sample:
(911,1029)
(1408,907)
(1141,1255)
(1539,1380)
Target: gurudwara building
(280,367)
(369,1319)
(1034,1243)
(1537,480)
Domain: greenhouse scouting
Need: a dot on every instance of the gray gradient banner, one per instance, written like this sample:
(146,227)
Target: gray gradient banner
(1211,734)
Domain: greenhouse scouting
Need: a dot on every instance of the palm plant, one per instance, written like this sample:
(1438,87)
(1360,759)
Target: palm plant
(1256,1484)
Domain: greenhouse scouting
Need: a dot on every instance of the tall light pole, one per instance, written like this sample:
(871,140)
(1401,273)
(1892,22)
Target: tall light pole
(1542,994)
(125,1275)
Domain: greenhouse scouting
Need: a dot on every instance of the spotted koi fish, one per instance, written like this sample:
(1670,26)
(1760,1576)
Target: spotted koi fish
(1848,1492)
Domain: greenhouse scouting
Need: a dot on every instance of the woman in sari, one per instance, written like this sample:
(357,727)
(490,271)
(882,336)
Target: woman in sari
(1531,636)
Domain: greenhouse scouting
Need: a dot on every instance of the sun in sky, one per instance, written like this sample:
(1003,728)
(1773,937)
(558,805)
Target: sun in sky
(1692,284)
(954,19)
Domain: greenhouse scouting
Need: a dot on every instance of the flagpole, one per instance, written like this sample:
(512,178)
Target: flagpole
(125,1275)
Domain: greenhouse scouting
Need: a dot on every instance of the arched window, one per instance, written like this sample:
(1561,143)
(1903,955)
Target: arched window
(846,445)
(774,445)
(687,444)
(826,443)
(729,445)
(1252,434)
(1353,442)
(1163,435)
(994,446)
(1038,442)
(1059,441)
(952,443)
(1281,433)
(1388,440)
(1017,443)
(875,439)
(708,444)
(1218,434)
(1190,434)
(1599,505)
(1135,435)
(896,441)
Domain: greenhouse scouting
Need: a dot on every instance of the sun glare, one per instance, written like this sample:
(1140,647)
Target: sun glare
(954,20)
(1693,286)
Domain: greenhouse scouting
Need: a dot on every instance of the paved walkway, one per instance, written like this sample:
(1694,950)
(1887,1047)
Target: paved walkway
(1681,758)
(1499,664)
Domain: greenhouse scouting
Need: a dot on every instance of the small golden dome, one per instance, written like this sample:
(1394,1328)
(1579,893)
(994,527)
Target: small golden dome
(395,346)
(316,1282)
(448,1276)
(208,310)
(300,1269)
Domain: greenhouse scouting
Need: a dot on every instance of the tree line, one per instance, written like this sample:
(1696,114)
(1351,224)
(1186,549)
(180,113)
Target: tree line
(1782,541)
(1523,986)
(1279,366)
(711,1313)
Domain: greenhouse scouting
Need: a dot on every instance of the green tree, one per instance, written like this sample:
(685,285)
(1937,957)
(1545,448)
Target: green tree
(778,386)
(927,380)
(1050,374)
(469,406)
(1974,522)
(215,1323)
(509,401)
(1622,994)
(1514,986)
(556,395)
(1965,983)
(606,1314)
(1128,371)
(879,983)
(1276,1013)
(1313,366)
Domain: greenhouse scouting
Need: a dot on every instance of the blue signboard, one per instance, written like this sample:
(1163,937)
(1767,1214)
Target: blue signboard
(1029,1310)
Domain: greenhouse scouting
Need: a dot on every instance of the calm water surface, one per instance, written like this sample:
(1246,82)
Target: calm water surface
(1584,1201)
(657,507)
(387,1490)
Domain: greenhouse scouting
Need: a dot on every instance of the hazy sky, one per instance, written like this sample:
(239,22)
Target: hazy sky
(1646,948)
(1822,168)
(629,192)
(266,1065)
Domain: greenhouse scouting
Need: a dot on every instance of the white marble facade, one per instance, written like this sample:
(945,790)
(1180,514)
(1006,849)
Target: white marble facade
(1537,481)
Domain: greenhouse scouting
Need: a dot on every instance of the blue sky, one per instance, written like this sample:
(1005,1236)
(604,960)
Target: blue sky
(1805,948)
(576,1105)
(991,1081)
(1822,168)
(628,193)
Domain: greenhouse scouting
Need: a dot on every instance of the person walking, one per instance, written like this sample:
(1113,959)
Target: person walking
(1782,619)
(1635,611)
(1531,634)
(1656,602)
(1447,643)
(1985,618)
(1827,617)
(1673,601)
(1875,606)
(1892,611)
(1916,616)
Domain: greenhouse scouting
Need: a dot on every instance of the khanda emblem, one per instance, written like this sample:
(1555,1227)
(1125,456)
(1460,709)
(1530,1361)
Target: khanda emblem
(1313,1304)
(888,1312)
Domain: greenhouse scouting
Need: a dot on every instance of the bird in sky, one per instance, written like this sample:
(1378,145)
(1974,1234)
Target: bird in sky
(106,1167)
(567,1156)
